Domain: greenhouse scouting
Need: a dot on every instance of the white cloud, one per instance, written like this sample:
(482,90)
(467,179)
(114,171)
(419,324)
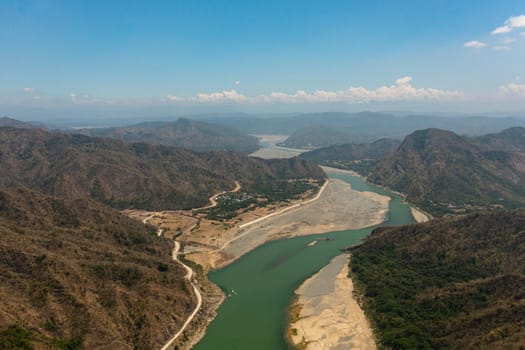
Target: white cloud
(475,44)
(510,24)
(214,97)
(506,40)
(501,48)
(404,81)
(28,90)
(522,34)
(402,90)
(83,99)
(501,30)
(237,82)
(513,89)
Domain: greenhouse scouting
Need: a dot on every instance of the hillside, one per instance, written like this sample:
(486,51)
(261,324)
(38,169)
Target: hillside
(76,274)
(14,123)
(447,284)
(510,140)
(184,133)
(442,172)
(315,136)
(357,157)
(136,175)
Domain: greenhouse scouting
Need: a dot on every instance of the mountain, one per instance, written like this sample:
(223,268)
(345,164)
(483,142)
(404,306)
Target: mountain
(365,127)
(315,136)
(13,123)
(137,175)
(456,283)
(442,172)
(76,274)
(510,140)
(183,133)
(358,157)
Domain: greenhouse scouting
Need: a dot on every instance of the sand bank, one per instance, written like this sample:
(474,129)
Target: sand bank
(338,208)
(418,215)
(328,316)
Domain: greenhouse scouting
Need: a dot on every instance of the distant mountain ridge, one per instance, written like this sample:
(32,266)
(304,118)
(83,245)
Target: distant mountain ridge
(184,133)
(315,136)
(437,169)
(14,123)
(357,157)
(365,127)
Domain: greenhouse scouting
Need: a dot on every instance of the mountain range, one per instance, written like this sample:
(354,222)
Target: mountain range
(443,172)
(137,175)
(76,273)
(361,158)
(315,136)
(183,133)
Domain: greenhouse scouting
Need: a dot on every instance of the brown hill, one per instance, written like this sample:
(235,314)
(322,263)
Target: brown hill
(358,157)
(510,140)
(447,284)
(14,123)
(183,133)
(132,175)
(76,274)
(440,171)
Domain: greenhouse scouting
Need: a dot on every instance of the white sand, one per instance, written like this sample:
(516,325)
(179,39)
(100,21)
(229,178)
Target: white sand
(338,208)
(330,317)
(418,215)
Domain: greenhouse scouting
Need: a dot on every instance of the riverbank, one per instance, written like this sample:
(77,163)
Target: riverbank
(326,315)
(339,207)
(419,215)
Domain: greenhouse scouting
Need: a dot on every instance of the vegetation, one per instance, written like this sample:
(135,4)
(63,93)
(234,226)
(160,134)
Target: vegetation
(443,173)
(76,274)
(132,175)
(185,133)
(230,205)
(447,284)
(315,136)
(361,158)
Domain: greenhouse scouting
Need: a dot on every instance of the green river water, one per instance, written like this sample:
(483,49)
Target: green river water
(266,278)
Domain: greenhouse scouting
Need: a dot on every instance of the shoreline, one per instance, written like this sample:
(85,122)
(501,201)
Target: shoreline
(342,208)
(326,314)
(419,215)
(367,209)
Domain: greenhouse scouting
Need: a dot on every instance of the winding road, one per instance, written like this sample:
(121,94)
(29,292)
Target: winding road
(189,271)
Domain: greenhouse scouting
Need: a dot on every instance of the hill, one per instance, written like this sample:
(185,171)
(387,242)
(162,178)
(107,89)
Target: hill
(510,140)
(446,284)
(135,175)
(357,157)
(76,274)
(442,172)
(184,133)
(315,136)
(13,123)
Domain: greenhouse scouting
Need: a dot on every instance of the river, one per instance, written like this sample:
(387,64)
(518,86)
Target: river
(265,279)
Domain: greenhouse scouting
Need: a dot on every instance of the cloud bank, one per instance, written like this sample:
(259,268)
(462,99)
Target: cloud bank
(402,90)
(510,24)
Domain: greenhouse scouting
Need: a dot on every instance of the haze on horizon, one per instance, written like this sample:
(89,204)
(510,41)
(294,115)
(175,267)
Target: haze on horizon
(122,58)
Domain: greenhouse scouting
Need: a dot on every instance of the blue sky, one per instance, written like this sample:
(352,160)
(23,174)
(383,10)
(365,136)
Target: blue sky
(263,55)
